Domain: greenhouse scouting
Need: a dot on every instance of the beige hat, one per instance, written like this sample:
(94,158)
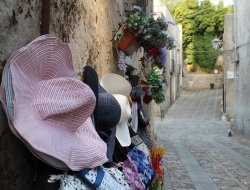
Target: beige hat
(122,131)
(116,84)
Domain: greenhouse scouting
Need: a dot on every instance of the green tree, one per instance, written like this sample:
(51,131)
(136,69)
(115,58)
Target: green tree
(205,55)
(201,22)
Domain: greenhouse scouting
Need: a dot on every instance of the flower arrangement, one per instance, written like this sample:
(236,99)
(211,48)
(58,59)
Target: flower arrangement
(155,81)
(150,32)
(157,153)
(137,23)
(152,35)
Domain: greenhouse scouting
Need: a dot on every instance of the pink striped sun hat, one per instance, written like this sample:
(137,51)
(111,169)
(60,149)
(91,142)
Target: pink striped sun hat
(52,107)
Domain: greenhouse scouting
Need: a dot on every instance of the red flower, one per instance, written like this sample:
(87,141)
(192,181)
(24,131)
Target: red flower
(153,51)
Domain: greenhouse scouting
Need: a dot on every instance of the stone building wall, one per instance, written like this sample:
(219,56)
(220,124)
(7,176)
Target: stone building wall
(87,26)
(202,81)
(20,23)
(229,88)
(242,67)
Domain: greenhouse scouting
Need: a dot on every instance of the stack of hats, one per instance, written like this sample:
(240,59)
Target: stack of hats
(50,107)
(71,125)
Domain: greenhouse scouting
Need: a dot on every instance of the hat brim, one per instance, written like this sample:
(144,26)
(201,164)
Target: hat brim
(111,144)
(8,106)
(122,134)
(116,84)
(91,79)
(78,151)
(52,59)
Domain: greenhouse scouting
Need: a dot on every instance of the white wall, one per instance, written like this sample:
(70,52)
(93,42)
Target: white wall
(242,80)
(175,55)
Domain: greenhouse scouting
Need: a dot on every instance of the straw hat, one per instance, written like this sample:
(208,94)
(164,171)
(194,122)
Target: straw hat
(52,107)
(120,88)
(122,130)
(116,84)
(107,113)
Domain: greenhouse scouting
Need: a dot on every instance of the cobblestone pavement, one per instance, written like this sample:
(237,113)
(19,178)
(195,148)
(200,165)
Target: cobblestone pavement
(199,154)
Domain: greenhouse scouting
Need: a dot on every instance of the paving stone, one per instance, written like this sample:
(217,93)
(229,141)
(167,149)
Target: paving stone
(200,155)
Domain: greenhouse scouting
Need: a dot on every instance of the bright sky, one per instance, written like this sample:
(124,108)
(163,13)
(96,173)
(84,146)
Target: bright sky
(226,2)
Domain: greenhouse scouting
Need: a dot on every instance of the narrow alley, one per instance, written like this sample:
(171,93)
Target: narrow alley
(199,154)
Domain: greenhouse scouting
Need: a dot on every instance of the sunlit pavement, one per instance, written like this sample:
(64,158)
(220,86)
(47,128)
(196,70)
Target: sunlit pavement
(199,153)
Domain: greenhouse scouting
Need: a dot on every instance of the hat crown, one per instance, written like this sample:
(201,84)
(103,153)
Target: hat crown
(116,84)
(109,110)
(64,102)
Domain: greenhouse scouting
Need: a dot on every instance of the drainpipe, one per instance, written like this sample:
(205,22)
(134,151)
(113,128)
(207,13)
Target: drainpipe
(45,17)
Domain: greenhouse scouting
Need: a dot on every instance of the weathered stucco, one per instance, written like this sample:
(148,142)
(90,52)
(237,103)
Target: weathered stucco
(228,47)
(20,23)
(88,28)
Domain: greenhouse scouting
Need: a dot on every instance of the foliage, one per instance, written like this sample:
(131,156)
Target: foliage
(156,35)
(150,32)
(139,22)
(155,82)
(205,55)
(156,185)
(158,95)
(190,53)
(203,20)
(194,67)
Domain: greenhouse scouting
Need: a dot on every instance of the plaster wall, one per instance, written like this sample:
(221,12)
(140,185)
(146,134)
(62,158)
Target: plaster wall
(174,65)
(228,47)
(242,80)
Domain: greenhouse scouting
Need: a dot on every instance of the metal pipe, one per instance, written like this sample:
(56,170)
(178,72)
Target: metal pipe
(45,21)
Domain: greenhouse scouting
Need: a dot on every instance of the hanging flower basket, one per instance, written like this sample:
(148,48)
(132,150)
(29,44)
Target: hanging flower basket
(128,43)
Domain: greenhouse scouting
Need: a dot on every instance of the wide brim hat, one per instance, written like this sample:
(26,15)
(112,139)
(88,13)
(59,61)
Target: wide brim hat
(52,107)
(108,111)
(7,99)
(90,78)
(122,130)
(116,84)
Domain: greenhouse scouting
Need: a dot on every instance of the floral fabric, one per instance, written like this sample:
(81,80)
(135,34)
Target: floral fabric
(138,142)
(100,179)
(143,147)
(118,176)
(143,164)
(132,176)
(144,135)
(68,182)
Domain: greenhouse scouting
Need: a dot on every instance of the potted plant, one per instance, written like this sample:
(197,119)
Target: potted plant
(127,35)
(142,28)
(155,81)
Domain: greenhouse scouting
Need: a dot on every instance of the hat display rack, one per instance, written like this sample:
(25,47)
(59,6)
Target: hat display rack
(86,134)
(145,67)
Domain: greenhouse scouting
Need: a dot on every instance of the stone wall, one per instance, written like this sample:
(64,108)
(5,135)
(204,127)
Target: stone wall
(87,26)
(202,81)
(20,23)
